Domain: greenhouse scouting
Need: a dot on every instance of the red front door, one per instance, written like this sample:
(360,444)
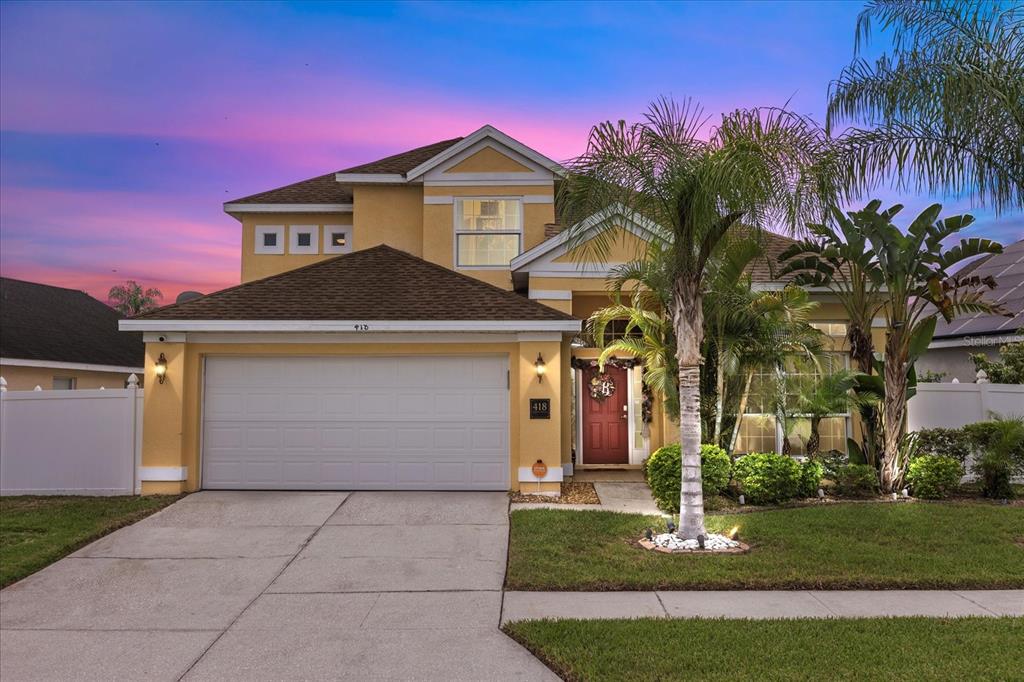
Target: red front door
(605,419)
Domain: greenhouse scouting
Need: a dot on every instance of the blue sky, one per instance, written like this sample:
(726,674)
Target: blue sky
(124,127)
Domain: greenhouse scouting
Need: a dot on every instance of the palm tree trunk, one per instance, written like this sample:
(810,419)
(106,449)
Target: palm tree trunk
(739,412)
(862,352)
(894,410)
(719,399)
(814,439)
(688,320)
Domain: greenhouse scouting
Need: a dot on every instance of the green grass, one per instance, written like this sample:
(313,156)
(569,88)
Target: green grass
(36,531)
(843,546)
(861,649)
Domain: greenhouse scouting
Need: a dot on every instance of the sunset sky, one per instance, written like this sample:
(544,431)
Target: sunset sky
(123,128)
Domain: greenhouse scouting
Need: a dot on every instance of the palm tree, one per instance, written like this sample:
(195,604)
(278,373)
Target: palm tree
(647,334)
(130,299)
(827,395)
(914,272)
(757,165)
(781,334)
(840,259)
(945,108)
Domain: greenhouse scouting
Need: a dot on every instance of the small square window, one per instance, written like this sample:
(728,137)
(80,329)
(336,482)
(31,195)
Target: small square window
(64,383)
(301,240)
(337,238)
(269,239)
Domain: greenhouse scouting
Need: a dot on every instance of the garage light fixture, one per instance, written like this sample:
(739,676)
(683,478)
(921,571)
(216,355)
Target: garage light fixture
(540,367)
(161,368)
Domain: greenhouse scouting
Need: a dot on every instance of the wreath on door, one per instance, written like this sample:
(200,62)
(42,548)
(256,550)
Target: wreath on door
(602,387)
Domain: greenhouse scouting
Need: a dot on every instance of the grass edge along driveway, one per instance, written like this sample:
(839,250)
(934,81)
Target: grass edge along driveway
(37,530)
(801,649)
(855,546)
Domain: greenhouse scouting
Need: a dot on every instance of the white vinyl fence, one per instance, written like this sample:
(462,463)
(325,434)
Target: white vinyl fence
(85,442)
(951,406)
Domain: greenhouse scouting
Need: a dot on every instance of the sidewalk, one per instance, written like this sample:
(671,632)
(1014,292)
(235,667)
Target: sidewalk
(629,497)
(762,604)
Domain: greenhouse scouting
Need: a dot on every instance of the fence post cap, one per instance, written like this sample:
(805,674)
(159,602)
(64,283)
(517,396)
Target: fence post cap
(133,381)
(3,384)
(103,388)
(982,377)
(955,381)
(37,388)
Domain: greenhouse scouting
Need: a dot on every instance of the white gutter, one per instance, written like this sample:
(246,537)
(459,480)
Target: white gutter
(354,326)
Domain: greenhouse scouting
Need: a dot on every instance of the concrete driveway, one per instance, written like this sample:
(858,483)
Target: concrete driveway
(274,585)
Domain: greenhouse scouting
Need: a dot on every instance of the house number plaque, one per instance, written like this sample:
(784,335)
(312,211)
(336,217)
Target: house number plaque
(540,408)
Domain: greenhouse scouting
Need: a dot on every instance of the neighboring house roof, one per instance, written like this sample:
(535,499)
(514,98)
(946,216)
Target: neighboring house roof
(376,284)
(43,323)
(1008,270)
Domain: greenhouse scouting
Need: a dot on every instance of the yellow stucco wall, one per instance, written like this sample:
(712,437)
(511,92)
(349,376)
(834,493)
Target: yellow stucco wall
(172,420)
(27,378)
(623,246)
(488,160)
(258,265)
(392,215)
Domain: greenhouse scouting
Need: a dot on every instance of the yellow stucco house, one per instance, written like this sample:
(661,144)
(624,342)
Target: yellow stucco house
(412,323)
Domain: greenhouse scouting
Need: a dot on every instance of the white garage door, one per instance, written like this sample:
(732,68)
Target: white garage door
(351,423)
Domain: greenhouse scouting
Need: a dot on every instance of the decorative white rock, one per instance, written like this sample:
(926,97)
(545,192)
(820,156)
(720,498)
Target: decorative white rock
(670,542)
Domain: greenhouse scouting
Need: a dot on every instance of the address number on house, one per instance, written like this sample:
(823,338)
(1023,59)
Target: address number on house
(361,327)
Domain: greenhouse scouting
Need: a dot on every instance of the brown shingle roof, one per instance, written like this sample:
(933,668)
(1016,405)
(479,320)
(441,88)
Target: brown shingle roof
(325,189)
(404,162)
(40,322)
(380,283)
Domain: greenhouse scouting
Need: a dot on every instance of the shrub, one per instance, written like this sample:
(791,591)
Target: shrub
(832,461)
(663,473)
(1001,442)
(811,473)
(934,476)
(766,477)
(856,480)
(955,443)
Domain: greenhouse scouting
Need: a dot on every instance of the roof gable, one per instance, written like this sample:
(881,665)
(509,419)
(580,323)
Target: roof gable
(41,322)
(376,284)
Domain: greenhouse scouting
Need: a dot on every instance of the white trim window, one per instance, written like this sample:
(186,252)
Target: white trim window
(65,383)
(488,231)
(303,239)
(337,238)
(269,239)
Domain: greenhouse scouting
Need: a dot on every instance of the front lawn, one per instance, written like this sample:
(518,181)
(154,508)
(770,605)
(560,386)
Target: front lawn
(841,546)
(36,531)
(860,649)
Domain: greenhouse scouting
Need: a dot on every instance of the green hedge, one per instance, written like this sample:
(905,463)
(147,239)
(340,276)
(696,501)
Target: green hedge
(767,477)
(955,443)
(663,471)
(934,476)
(856,480)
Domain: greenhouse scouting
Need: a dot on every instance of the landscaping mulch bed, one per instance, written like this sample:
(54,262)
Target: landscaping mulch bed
(572,493)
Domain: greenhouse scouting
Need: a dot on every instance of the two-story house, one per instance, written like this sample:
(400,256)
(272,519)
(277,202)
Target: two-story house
(411,323)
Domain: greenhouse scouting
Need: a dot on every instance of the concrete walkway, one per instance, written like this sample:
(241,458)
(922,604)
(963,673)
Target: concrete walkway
(231,585)
(762,604)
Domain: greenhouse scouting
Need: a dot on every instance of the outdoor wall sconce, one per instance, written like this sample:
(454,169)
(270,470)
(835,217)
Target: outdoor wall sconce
(540,367)
(161,368)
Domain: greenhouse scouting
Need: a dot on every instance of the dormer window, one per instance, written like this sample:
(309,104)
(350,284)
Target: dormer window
(337,238)
(269,239)
(303,239)
(488,231)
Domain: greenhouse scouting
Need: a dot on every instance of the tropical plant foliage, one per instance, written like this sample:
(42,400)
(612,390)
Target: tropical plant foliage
(906,278)
(943,109)
(689,184)
(1008,369)
(829,394)
(130,299)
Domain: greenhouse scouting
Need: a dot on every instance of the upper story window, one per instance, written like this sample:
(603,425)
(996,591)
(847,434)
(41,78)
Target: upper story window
(270,239)
(304,239)
(488,232)
(337,238)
